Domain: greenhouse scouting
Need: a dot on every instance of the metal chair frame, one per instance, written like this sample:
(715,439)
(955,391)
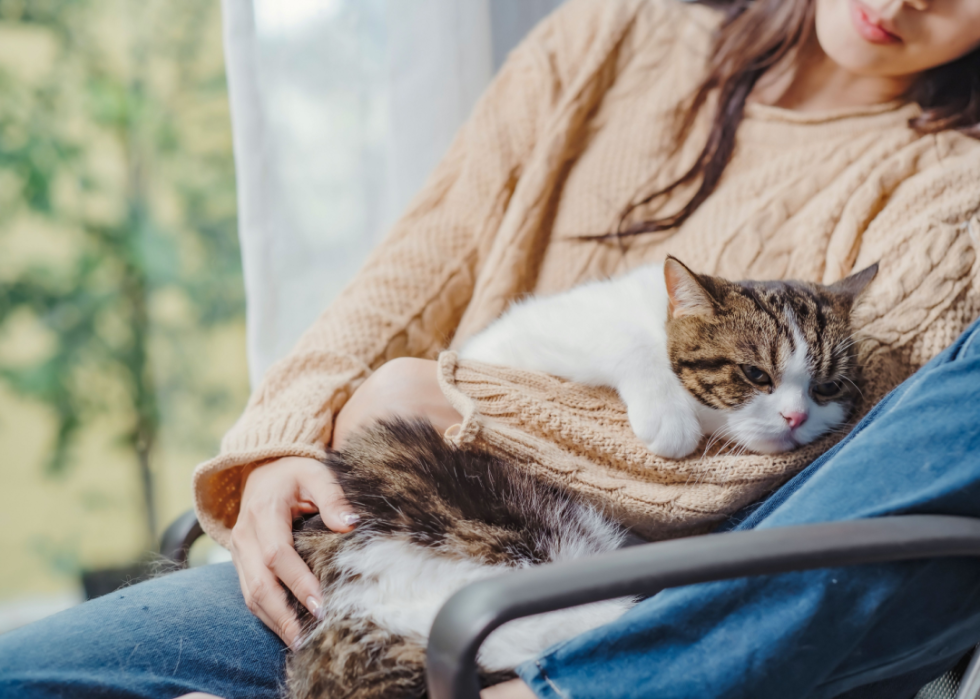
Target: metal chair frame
(471,614)
(176,542)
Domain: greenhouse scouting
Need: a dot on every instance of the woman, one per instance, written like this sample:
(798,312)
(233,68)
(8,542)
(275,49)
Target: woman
(823,135)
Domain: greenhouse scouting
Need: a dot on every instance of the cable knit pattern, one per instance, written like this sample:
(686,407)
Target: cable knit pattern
(574,127)
(579,437)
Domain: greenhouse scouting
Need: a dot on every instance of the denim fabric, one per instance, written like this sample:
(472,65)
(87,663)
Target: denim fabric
(818,633)
(188,631)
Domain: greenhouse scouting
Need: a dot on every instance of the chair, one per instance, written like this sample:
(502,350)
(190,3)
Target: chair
(470,615)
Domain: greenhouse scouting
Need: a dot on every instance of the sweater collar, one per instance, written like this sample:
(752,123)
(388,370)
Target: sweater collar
(897,111)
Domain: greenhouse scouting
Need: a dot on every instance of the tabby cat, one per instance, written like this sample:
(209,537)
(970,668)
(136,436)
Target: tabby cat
(769,365)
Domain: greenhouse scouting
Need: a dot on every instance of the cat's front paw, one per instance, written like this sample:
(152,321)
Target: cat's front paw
(667,430)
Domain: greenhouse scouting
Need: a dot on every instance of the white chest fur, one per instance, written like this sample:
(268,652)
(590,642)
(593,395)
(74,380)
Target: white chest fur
(400,586)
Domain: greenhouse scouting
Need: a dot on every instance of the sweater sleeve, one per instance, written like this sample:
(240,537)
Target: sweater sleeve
(410,294)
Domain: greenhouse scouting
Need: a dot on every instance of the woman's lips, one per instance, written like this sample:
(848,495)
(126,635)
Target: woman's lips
(870,27)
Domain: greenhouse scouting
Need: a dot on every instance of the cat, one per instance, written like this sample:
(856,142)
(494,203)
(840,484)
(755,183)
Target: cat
(766,365)
(688,353)
(433,518)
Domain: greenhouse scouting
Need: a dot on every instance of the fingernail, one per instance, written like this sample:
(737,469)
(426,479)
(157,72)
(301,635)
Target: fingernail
(350,518)
(316,609)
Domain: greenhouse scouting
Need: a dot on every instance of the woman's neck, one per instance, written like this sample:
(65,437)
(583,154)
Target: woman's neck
(811,82)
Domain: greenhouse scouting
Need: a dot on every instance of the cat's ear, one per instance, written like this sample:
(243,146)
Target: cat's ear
(686,294)
(855,284)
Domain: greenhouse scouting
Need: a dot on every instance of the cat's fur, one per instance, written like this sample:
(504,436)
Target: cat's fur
(434,517)
(676,345)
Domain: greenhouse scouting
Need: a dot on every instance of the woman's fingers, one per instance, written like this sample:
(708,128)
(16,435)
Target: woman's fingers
(279,556)
(328,498)
(262,539)
(266,599)
(273,493)
(250,579)
(262,545)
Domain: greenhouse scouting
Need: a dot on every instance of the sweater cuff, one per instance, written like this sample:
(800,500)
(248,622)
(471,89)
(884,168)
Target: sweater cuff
(217,484)
(468,431)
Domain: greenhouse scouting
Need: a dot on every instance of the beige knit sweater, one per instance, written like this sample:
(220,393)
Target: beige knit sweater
(575,127)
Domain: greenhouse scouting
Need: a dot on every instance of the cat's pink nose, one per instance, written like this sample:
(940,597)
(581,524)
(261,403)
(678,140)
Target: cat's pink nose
(794,418)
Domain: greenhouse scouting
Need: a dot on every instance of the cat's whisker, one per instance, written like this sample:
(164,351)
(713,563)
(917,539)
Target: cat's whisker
(713,439)
(724,447)
(716,438)
(842,427)
(856,387)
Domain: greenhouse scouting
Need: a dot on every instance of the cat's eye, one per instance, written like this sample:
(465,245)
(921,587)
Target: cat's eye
(756,375)
(828,389)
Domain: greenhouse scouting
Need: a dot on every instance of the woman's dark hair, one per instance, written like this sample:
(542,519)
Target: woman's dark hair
(755,35)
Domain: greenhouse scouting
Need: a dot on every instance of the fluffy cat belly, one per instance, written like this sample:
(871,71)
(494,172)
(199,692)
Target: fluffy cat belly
(401,586)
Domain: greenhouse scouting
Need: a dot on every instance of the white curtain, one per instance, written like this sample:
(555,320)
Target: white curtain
(340,109)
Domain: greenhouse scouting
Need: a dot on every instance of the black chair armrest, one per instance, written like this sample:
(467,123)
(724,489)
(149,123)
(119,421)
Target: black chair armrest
(472,613)
(180,535)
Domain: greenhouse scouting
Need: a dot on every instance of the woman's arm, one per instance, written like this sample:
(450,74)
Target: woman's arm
(406,388)
(408,298)
(405,302)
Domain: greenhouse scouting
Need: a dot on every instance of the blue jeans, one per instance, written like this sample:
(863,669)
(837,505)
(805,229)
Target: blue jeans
(819,633)
(813,634)
(185,632)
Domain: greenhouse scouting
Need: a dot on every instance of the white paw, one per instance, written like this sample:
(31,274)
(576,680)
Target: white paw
(672,431)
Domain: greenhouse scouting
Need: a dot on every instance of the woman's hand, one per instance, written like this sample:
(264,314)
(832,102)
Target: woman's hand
(273,495)
(403,387)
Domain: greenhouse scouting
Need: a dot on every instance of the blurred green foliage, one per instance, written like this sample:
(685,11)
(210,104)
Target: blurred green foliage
(119,152)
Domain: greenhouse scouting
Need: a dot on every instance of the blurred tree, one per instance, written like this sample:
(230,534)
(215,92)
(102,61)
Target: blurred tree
(108,147)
